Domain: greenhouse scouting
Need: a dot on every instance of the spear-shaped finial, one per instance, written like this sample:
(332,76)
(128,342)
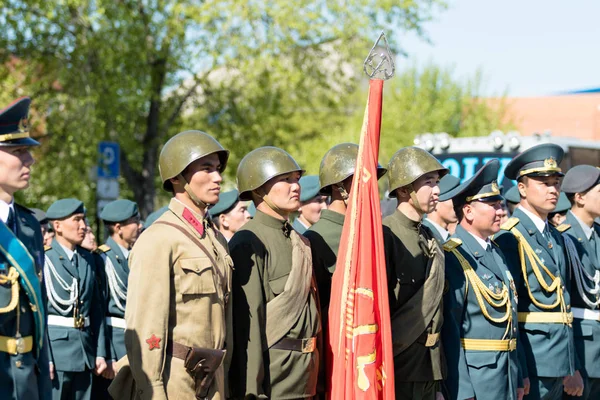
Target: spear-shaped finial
(379,64)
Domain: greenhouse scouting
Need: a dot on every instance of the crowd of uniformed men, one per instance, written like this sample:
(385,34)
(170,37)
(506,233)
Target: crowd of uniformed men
(210,303)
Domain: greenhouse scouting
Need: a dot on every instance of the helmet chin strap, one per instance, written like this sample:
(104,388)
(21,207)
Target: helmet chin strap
(343,192)
(270,204)
(413,197)
(195,199)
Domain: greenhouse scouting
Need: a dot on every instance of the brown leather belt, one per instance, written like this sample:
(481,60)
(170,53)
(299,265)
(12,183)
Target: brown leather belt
(307,345)
(178,350)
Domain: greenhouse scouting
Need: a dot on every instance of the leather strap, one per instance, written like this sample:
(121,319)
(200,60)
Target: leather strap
(198,243)
(307,345)
(178,350)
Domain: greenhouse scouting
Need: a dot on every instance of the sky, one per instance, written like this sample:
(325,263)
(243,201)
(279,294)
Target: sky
(523,47)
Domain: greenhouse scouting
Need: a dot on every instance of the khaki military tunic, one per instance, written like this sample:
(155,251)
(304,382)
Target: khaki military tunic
(176,294)
(262,253)
(406,269)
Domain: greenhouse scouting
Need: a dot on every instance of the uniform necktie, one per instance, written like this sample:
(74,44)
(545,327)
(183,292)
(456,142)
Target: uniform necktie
(595,248)
(10,221)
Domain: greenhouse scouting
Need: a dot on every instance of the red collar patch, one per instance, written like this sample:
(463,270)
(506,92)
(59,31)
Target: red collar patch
(189,217)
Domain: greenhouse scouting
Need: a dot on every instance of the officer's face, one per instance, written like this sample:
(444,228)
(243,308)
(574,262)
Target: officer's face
(590,201)
(428,191)
(204,177)
(130,230)
(89,241)
(445,209)
(71,229)
(15,168)
(311,210)
(541,192)
(284,191)
(484,216)
(236,218)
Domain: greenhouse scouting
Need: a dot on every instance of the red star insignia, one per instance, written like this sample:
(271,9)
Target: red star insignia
(153,342)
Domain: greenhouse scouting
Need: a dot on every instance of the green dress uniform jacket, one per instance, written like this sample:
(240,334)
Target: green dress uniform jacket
(436,234)
(298,226)
(479,373)
(73,349)
(586,331)
(262,256)
(406,269)
(112,276)
(23,376)
(548,347)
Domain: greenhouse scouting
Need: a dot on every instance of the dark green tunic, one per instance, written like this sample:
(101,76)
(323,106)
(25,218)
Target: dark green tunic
(262,256)
(324,237)
(406,264)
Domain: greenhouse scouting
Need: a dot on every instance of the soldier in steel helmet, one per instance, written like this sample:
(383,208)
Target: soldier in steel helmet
(276,317)
(535,253)
(24,363)
(335,176)
(179,284)
(415,264)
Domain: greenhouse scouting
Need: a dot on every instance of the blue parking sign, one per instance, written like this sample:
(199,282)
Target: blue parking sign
(108,160)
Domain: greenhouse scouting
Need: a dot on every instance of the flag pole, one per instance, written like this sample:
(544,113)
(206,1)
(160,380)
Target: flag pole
(360,360)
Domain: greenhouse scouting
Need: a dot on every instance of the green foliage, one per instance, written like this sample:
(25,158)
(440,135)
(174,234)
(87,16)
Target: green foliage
(416,101)
(251,73)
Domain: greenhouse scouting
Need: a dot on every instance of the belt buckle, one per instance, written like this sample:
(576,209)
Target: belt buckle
(512,344)
(569,318)
(79,321)
(308,345)
(432,339)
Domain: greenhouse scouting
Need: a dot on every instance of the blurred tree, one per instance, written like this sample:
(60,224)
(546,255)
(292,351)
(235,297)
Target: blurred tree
(138,71)
(416,101)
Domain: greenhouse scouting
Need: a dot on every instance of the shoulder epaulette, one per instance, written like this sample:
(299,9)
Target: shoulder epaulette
(102,249)
(46,248)
(452,243)
(563,227)
(509,224)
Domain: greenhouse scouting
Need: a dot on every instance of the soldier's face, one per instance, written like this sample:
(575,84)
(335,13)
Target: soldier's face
(541,192)
(427,190)
(311,210)
(71,229)
(204,178)
(484,216)
(236,218)
(15,168)
(284,191)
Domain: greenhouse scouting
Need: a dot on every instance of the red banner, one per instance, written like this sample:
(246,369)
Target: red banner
(360,356)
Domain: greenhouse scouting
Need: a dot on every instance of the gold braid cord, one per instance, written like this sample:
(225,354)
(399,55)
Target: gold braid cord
(526,250)
(482,292)
(13,278)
